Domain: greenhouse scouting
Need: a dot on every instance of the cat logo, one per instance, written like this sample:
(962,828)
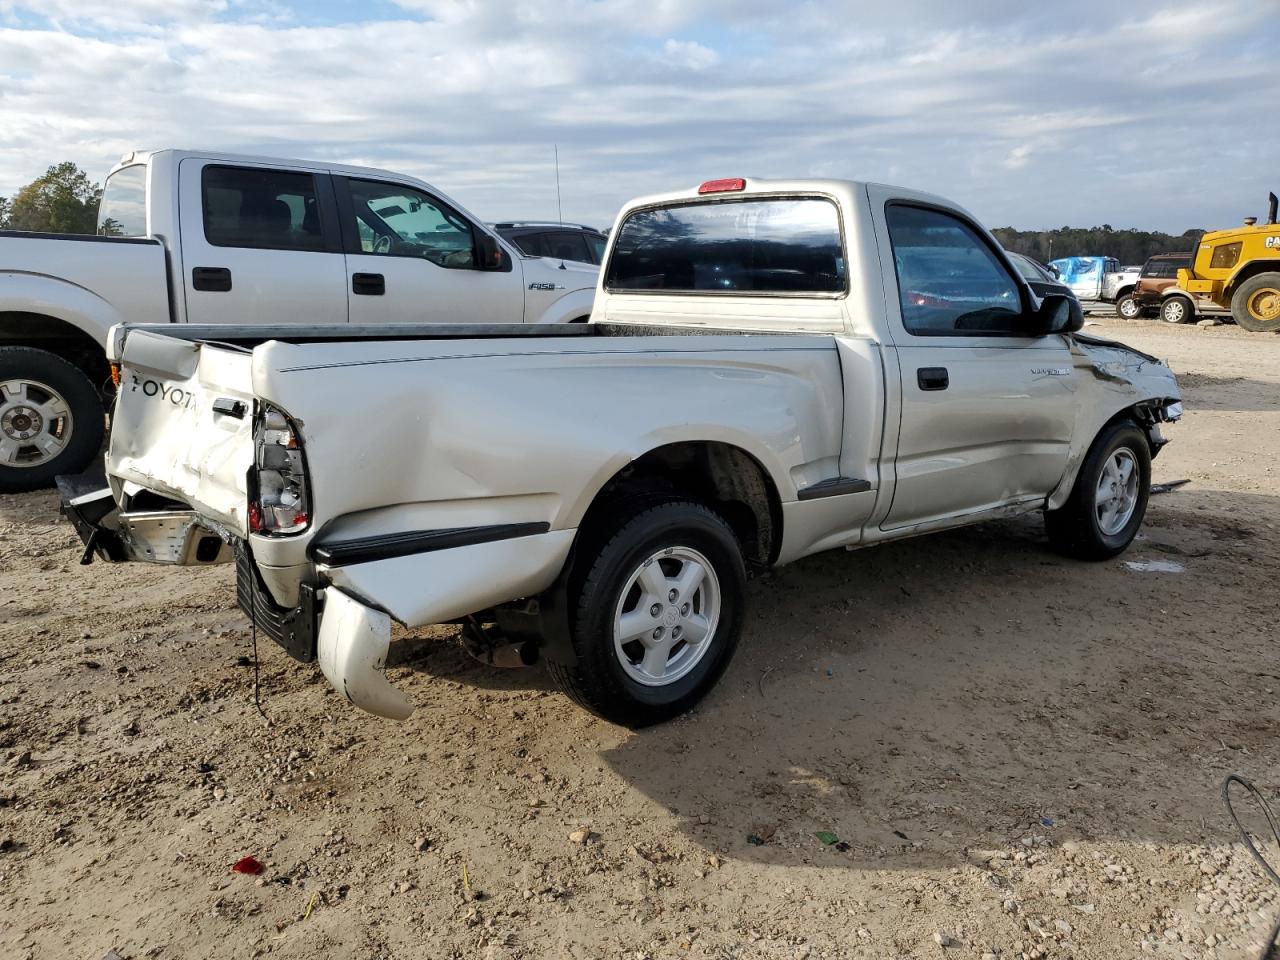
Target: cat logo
(1271,242)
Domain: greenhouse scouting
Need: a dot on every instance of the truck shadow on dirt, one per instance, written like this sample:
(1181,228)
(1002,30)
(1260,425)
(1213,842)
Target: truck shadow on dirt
(971,690)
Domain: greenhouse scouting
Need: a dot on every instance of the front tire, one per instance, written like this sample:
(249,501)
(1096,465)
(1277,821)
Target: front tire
(1255,305)
(51,419)
(1109,499)
(656,614)
(1177,309)
(1127,308)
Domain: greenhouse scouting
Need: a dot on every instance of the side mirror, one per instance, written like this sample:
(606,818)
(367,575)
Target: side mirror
(489,255)
(1058,313)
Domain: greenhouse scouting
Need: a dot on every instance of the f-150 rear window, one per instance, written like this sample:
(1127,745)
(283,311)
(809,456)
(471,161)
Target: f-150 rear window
(122,211)
(763,246)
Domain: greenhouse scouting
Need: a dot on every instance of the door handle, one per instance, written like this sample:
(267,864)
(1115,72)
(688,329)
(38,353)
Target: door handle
(933,378)
(211,279)
(369,284)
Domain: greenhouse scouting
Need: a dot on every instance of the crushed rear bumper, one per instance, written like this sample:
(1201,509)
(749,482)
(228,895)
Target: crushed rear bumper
(178,537)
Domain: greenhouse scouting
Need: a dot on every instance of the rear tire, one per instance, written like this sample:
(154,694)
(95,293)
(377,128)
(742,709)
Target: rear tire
(1255,306)
(1177,309)
(51,419)
(634,666)
(1127,308)
(1109,499)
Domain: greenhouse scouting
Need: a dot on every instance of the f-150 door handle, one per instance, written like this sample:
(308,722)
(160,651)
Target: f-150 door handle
(211,279)
(933,378)
(369,284)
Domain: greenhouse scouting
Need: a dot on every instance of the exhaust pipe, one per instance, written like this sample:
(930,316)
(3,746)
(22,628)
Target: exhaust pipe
(1271,210)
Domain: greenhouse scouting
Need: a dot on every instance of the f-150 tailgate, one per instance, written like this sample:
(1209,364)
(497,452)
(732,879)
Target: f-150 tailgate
(183,424)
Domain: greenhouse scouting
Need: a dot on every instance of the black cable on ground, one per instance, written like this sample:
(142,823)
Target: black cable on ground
(1269,946)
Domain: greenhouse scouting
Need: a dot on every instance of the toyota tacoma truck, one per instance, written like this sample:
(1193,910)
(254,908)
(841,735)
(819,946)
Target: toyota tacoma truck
(772,369)
(204,238)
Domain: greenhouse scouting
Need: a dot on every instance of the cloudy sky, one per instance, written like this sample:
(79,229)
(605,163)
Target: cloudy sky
(1148,114)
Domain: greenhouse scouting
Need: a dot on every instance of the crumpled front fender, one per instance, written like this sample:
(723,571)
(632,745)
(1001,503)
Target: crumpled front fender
(352,650)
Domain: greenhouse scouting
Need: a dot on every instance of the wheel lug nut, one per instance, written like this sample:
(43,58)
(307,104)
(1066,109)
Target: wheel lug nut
(655,610)
(674,595)
(675,633)
(657,633)
(684,610)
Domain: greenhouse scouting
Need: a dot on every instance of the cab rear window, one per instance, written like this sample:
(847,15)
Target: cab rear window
(122,211)
(760,246)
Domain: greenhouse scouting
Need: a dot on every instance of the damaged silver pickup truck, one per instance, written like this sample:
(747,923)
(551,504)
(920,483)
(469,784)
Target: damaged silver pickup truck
(772,368)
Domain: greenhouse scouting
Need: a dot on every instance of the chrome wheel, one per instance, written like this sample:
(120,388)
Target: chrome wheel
(35,423)
(1174,311)
(1128,308)
(1117,494)
(666,617)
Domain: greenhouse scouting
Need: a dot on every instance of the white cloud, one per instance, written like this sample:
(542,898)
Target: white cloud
(689,54)
(996,104)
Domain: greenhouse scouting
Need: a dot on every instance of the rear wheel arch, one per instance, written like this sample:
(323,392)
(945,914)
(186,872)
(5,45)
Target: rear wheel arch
(60,337)
(721,476)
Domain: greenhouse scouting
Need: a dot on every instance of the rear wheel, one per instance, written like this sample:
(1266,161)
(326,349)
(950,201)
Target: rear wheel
(1177,309)
(1255,306)
(1109,499)
(656,616)
(1128,308)
(51,420)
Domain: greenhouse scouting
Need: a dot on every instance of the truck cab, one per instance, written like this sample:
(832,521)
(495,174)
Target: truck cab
(210,238)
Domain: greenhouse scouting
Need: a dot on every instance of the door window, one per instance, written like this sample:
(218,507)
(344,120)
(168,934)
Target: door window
(398,221)
(949,280)
(266,209)
(567,245)
(597,247)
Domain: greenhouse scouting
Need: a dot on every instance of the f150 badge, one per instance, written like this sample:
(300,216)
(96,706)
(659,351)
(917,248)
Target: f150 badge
(536,285)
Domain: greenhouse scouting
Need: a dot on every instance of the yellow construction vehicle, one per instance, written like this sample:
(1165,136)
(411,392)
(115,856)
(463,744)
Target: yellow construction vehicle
(1239,270)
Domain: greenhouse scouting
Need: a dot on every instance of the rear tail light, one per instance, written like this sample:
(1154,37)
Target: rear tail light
(279,501)
(729,185)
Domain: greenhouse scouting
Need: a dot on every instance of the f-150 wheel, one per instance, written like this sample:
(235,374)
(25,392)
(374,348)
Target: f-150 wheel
(1109,500)
(51,420)
(1255,306)
(657,615)
(1128,308)
(1177,309)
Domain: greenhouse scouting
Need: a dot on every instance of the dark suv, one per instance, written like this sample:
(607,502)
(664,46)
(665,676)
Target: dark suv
(561,241)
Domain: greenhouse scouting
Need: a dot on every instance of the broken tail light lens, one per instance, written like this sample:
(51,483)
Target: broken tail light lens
(279,501)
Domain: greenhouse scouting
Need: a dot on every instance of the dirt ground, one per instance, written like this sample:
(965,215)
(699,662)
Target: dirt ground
(1020,755)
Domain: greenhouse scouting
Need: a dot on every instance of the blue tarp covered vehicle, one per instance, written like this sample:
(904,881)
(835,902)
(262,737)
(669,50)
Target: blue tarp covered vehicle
(1084,275)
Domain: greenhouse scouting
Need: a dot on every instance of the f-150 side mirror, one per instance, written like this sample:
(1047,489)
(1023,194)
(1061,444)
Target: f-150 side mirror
(490,255)
(1058,313)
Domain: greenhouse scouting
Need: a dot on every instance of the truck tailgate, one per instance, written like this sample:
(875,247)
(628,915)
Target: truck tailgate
(183,424)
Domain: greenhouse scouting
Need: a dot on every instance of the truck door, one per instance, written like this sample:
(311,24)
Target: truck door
(259,244)
(987,410)
(412,258)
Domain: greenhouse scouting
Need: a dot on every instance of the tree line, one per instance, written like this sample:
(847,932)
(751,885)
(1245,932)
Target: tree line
(65,200)
(1130,247)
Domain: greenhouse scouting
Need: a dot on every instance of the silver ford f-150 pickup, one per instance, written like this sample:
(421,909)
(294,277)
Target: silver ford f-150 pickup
(772,368)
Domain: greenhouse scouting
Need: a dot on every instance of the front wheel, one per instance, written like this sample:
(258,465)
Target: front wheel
(656,617)
(1255,306)
(51,420)
(1128,308)
(1177,310)
(1109,499)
